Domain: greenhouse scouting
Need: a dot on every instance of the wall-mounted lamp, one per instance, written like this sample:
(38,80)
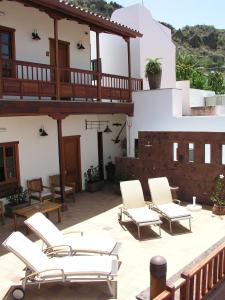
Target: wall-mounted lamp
(35,35)
(42,132)
(148,144)
(80,46)
(2,13)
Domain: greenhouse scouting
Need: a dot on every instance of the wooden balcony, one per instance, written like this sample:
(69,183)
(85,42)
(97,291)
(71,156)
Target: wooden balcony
(33,81)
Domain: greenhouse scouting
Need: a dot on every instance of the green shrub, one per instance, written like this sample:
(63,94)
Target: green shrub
(216,83)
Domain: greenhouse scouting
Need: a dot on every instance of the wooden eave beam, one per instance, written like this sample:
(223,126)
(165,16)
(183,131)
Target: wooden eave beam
(10,108)
(53,7)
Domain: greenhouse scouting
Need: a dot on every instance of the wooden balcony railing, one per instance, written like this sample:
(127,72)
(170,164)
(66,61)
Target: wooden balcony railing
(22,79)
(196,283)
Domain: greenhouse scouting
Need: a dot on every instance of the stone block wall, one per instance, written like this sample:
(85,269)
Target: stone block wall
(157,158)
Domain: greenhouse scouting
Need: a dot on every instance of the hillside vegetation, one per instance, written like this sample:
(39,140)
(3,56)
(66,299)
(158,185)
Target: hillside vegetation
(203,42)
(98,6)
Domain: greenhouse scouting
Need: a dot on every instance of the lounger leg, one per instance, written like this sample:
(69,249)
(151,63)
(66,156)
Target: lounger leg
(139,234)
(170,227)
(110,285)
(190,224)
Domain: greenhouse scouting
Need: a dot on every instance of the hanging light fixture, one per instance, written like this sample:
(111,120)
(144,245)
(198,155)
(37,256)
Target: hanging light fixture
(107,129)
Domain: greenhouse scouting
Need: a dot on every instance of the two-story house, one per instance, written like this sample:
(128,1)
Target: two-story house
(55,103)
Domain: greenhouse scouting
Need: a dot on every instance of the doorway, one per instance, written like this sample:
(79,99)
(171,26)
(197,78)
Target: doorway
(64,58)
(100,156)
(72,160)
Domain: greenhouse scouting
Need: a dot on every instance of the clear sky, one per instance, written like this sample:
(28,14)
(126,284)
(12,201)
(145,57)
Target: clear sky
(185,12)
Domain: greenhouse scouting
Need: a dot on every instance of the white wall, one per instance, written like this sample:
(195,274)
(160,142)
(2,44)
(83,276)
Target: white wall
(38,156)
(156,42)
(26,19)
(161,110)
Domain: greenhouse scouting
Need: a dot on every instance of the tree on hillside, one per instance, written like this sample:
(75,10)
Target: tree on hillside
(98,6)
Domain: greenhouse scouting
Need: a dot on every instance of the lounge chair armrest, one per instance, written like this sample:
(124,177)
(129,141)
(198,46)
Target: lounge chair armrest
(73,231)
(177,201)
(58,249)
(34,274)
(47,187)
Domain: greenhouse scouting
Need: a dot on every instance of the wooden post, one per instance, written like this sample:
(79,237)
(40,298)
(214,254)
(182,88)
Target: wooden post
(57,71)
(61,164)
(99,96)
(0,76)
(129,69)
(158,268)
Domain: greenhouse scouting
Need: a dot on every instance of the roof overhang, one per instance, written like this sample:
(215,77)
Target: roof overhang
(65,9)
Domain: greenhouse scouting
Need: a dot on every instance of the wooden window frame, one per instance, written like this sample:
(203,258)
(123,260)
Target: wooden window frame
(9,184)
(12,39)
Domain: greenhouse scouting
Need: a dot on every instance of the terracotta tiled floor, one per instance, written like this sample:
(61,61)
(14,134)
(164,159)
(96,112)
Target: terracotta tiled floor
(97,213)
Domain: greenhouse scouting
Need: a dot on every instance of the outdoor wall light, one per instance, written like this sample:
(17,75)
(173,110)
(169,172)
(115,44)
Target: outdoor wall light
(35,35)
(42,132)
(80,46)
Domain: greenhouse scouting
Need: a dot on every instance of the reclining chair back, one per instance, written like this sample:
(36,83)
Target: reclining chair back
(26,251)
(160,190)
(45,229)
(132,194)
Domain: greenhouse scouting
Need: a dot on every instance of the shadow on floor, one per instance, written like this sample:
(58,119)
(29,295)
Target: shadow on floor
(86,206)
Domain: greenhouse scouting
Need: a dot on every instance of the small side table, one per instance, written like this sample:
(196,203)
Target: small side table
(194,208)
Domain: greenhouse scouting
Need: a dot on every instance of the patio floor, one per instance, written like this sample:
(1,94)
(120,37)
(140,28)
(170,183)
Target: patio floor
(97,214)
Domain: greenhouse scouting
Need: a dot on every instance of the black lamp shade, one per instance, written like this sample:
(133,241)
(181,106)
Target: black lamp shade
(107,129)
(42,132)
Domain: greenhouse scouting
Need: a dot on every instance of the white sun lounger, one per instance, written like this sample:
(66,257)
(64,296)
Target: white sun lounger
(42,269)
(134,205)
(163,203)
(52,237)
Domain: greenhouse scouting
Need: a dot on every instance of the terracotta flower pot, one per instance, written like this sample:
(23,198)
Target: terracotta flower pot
(154,80)
(218,210)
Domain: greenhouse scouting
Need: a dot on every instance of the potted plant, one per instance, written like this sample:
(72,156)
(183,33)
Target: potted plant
(110,170)
(153,72)
(93,183)
(218,196)
(17,199)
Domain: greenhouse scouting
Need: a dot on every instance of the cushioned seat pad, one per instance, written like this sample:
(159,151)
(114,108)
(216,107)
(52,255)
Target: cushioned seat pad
(173,210)
(143,215)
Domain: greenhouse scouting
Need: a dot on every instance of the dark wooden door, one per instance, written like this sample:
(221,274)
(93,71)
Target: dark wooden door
(100,155)
(64,58)
(71,152)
